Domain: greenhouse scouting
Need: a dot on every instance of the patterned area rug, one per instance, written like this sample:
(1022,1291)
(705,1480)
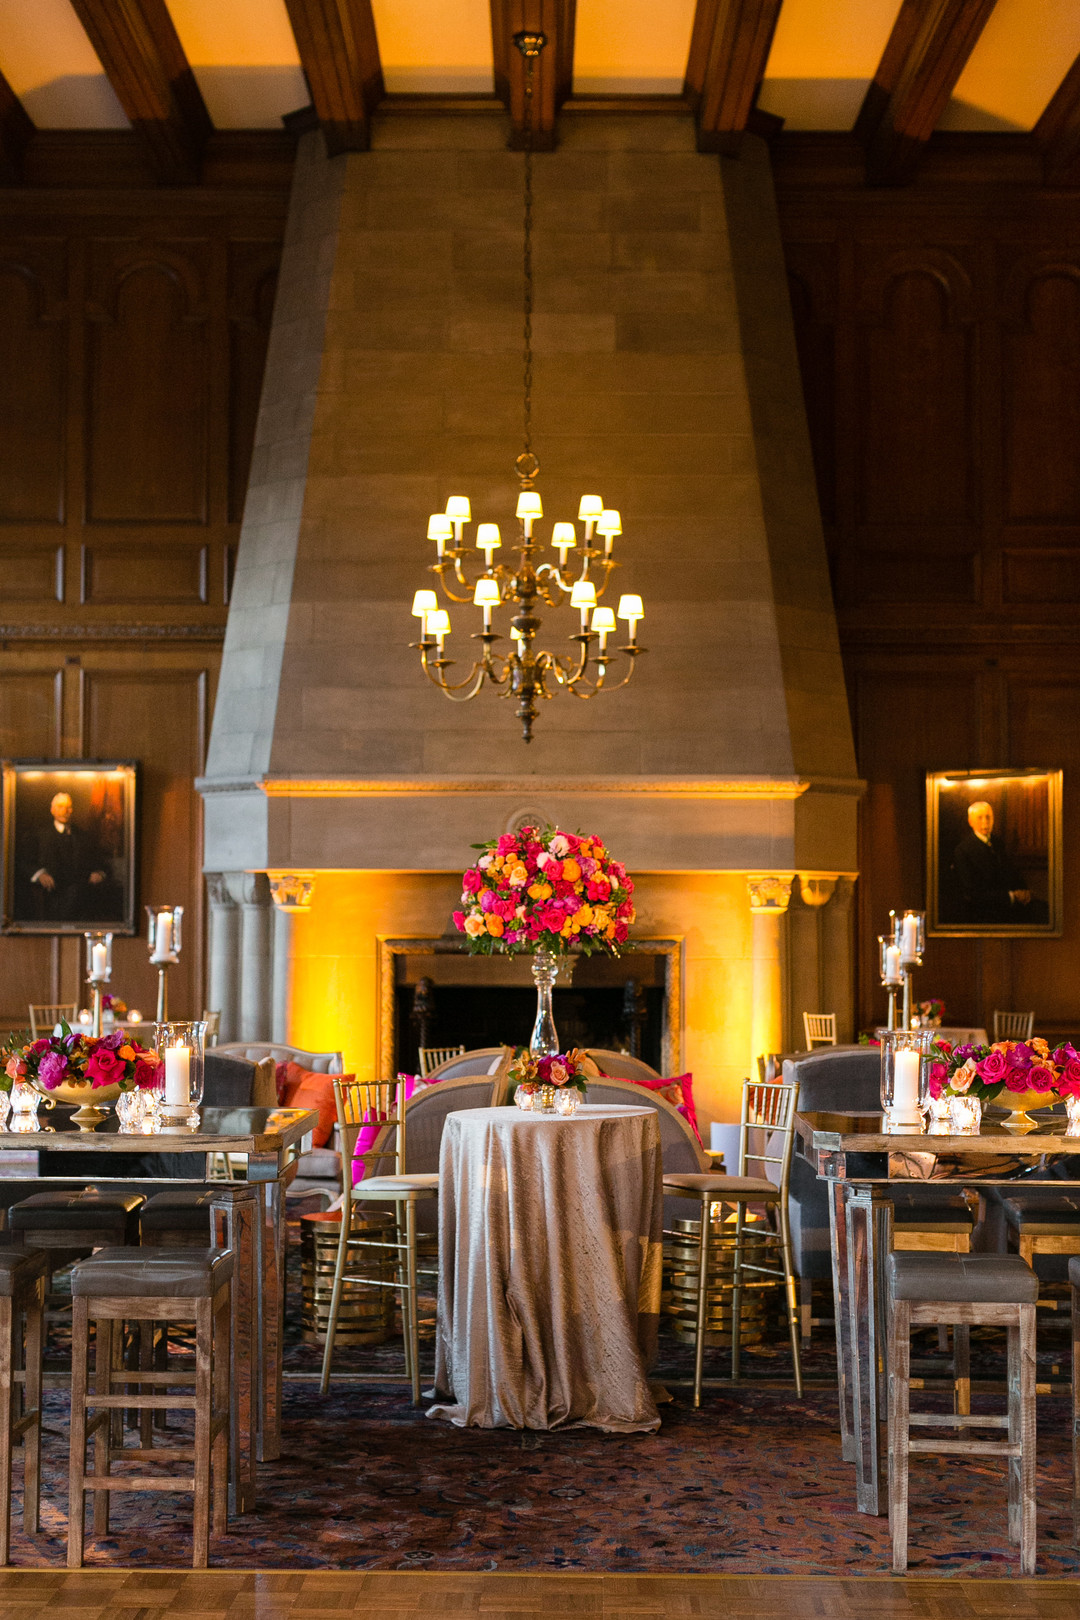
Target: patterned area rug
(752,1483)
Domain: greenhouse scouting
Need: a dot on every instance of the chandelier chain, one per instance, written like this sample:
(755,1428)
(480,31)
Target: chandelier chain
(530,66)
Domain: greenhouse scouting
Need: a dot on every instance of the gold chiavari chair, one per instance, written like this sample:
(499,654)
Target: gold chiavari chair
(768,1110)
(45,1016)
(380,1103)
(1013,1026)
(819,1029)
(432,1056)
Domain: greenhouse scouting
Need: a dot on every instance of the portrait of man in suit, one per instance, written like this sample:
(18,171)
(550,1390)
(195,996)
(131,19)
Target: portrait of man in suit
(994,852)
(68,848)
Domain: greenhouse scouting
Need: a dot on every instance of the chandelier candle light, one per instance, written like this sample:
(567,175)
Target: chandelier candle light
(524,673)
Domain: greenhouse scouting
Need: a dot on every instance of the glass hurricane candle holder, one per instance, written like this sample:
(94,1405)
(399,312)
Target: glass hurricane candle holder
(911,937)
(163,933)
(892,971)
(98,957)
(180,1048)
(904,1076)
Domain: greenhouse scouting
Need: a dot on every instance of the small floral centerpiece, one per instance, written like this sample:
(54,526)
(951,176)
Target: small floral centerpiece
(1023,1074)
(88,1070)
(545,890)
(930,1014)
(530,1074)
(115,1005)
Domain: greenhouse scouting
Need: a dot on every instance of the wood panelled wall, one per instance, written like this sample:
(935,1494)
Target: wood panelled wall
(939,336)
(133,330)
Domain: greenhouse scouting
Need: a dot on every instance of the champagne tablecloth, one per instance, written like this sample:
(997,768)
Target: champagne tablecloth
(550,1244)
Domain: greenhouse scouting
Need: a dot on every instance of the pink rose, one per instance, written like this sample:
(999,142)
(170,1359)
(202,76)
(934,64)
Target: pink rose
(146,1073)
(1018,1080)
(1040,1078)
(472,880)
(992,1068)
(459,921)
(105,1068)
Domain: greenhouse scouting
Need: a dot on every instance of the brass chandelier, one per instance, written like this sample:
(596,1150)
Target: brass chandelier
(524,673)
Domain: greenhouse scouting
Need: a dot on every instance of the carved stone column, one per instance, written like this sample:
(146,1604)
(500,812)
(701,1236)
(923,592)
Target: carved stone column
(291,892)
(255,957)
(223,973)
(838,958)
(769,896)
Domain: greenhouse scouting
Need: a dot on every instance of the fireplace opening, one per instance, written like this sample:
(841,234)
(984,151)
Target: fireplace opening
(444,997)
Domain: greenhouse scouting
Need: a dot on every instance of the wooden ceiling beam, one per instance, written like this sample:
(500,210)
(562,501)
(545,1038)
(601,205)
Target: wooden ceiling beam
(339,51)
(16,128)
(141,53)
(729,47)
(926,53)
(1058,132)
(554,70)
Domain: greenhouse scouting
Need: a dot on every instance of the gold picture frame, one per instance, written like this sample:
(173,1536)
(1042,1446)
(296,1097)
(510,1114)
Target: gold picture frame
(88,879)
(994,854)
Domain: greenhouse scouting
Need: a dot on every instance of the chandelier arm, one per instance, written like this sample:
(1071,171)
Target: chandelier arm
(475,677)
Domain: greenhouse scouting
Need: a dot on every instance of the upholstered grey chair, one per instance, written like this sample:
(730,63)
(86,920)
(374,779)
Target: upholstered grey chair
(680,1149)
(481,1060)
(620,1065)
(425,1116)
(844,1079)
(317,1062)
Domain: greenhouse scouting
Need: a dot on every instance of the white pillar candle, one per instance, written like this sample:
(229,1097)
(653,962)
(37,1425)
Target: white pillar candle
(905,1099)
(177,1075)
(99,961)
(910,938)
(163,934)
(893,970)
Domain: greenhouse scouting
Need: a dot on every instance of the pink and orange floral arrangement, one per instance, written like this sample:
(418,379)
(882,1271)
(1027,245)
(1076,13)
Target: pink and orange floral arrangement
(72,1058)
(1007,1066)
(545,890)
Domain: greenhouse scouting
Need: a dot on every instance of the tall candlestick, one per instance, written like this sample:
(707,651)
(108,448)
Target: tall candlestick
(177,1076)
(163,930)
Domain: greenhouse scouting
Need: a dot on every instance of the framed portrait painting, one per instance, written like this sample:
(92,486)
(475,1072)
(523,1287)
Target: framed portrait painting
(69,846)
(993,855)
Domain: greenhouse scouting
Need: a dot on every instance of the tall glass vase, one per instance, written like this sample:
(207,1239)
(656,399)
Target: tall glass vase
(545,970)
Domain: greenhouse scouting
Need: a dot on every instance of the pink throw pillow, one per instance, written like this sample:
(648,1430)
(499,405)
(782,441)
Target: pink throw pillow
(679,1092)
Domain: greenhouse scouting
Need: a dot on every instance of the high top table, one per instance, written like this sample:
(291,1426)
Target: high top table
(253,1222)
(860,1162)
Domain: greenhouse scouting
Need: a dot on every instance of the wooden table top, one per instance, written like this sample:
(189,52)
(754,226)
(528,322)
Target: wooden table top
(220,1130)
(862,1133)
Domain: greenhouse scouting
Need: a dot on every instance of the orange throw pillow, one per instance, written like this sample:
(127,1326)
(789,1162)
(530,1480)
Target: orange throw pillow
(303,1088)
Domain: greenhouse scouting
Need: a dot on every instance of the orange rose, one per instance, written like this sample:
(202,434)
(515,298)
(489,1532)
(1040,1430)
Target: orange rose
(474,925)
(539,891)
(571,871)
(494,925)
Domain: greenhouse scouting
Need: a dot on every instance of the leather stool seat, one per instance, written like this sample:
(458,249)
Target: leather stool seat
(173,1272)
(976,1279)
(1039,1214)
(1074,1278)
(184,1211)
(18,1266)
(76,1220)
(702,1182)
(936,1212)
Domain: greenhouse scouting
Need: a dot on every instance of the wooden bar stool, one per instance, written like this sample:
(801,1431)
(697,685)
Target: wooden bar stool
(22,1294)
(929,1220)
(158,1285)
(68,1224)
(980,1290)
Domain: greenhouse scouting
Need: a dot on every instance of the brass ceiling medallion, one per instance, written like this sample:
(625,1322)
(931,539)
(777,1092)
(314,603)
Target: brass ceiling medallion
(523,673)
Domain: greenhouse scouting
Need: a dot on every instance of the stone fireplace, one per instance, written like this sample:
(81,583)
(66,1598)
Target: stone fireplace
(666,380)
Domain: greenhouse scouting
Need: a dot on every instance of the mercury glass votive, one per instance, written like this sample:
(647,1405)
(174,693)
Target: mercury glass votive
(525,1097)
(567,1100)
(1072,1108)
(965,1115)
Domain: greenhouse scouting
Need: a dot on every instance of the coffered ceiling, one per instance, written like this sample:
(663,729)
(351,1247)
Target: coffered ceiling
(904,67)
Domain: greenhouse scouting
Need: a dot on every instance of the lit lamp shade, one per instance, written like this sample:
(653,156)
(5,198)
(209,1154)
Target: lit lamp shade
(583,594)
(563,536)
(458,509)
(609,522)
(424,602)
(603,620)
(438,623)
(487,593)
(440,527)
(529,505)
(589,508)
(630,608)
(516,634)
(487,537)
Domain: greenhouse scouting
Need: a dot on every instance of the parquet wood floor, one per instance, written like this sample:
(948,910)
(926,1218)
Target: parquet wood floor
(383,1595)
